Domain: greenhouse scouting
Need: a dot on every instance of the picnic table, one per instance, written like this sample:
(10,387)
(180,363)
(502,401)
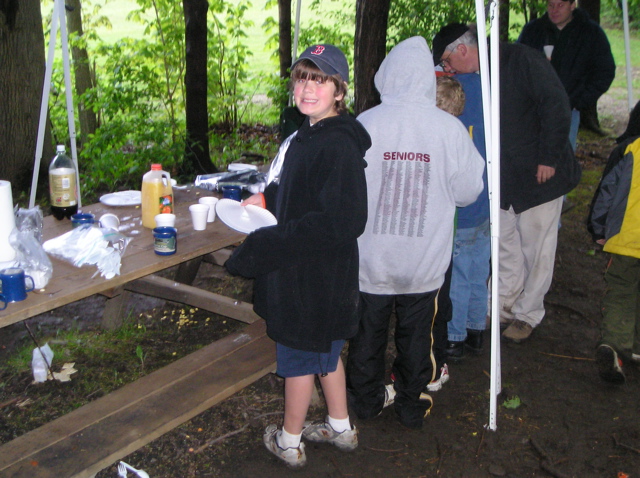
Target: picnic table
(96,435)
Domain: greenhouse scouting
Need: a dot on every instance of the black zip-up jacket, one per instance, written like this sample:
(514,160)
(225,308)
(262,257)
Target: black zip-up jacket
(581,56)
(306,267)
(534,130)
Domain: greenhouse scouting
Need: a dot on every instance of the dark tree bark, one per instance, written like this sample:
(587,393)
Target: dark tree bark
(197,141)
(22,67)
(284,38)
(504,20)
(369,50)
(81,70)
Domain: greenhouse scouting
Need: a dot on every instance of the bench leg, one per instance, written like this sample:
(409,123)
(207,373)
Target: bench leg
(187,271)
(116,309)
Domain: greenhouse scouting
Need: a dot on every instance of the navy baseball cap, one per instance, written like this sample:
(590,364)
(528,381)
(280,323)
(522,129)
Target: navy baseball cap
(328,58)
(445,37)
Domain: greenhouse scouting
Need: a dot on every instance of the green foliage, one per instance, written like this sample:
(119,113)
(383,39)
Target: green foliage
(139,92)
(228,57)
(409,18)
(611,12)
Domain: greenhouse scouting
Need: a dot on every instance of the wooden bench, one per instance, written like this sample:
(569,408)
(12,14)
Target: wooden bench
(91,438)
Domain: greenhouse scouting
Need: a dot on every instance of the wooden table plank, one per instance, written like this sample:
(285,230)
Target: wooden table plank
(70,283)
(91,438)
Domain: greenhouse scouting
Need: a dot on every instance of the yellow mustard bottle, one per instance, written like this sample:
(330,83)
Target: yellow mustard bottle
(157,195)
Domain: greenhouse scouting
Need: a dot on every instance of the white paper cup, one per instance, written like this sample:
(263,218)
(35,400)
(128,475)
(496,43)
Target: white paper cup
(199,214)
(165,220)
(548,50)
(109,221)
(211,202)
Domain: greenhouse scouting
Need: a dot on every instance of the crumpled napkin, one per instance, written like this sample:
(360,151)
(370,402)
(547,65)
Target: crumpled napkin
(88,245)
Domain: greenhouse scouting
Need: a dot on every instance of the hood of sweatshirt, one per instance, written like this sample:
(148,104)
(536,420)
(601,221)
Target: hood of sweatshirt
(407,74)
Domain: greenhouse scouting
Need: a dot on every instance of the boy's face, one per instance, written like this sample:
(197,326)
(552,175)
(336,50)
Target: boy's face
(316,98)
(560,12)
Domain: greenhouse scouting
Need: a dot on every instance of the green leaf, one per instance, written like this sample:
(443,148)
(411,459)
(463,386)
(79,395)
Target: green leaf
(512,403)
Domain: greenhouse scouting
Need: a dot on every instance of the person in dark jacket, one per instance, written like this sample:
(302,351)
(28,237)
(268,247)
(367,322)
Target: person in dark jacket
(537,167)
(614,222)
(306,266)
(579,51)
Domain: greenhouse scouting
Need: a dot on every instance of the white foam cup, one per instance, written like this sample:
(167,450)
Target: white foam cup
(211,202)
(165,220)
(109,221)
(199,214)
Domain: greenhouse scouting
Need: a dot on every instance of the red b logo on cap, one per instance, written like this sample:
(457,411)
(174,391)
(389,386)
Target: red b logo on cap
(318,51)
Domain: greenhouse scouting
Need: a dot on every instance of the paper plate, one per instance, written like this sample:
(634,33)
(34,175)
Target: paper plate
(122,198)
(244,219)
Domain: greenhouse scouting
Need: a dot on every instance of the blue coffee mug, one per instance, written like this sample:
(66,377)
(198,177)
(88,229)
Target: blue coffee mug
(232,192)
(13,285)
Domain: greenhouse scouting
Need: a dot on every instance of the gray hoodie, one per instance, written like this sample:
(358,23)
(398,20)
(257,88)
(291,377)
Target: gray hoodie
(421,165)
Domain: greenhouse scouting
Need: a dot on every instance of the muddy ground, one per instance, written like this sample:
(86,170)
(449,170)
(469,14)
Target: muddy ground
(568,423)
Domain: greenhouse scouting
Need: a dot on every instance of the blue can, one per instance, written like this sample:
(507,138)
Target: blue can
(165,240)
(232,192)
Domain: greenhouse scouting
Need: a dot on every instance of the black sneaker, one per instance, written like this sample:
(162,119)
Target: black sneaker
(609,365)
(474,340)
(455,350)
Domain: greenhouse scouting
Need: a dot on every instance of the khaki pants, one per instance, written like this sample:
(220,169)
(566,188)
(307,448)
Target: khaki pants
(527,254)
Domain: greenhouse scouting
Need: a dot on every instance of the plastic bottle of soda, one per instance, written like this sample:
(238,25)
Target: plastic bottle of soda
(63,189)
(157,195)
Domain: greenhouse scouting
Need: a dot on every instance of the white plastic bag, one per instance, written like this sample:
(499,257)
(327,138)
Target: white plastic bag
(38,365)
(90,245)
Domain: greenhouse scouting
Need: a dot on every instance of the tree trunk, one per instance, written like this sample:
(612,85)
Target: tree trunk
(82,71)
(21,79)
(195,80)
(369,50)
(284,38)
(504,20)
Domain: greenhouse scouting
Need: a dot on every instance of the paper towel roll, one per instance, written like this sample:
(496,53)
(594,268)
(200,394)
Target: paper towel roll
(7,221)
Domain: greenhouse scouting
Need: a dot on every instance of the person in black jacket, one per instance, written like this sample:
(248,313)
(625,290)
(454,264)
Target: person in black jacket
(579,51)
(306,266)
(537,167)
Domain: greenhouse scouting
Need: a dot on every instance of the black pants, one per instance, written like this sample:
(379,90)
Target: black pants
(414,366)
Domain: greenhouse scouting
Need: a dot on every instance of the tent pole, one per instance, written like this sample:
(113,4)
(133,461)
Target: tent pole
(296,34)
(627,51)
(491,110)
(69,96)
(44,105)
(57,18)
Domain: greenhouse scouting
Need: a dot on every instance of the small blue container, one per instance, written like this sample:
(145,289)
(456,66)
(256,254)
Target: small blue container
(232,192)
(165,240)
(81,219)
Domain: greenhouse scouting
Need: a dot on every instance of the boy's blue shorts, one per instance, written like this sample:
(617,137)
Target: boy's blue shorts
(297,363)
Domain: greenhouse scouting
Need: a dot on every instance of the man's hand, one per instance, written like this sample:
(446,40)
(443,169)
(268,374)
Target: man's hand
(545,173)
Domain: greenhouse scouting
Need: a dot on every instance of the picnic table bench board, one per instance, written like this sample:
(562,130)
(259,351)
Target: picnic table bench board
(98,434)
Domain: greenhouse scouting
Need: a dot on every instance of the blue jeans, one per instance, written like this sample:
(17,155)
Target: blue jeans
(471,261)
(573,132)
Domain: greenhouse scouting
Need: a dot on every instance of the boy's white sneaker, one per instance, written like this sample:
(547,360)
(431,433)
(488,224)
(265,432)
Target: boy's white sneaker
(389,395)
(293,457)
(322,432)
(444,378)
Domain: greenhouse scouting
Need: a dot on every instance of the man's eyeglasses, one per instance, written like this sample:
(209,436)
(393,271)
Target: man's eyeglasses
(445,61)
